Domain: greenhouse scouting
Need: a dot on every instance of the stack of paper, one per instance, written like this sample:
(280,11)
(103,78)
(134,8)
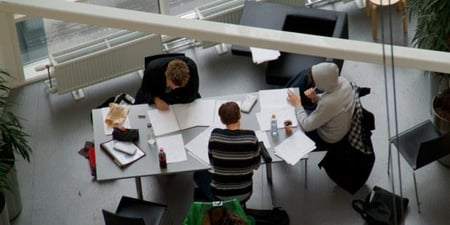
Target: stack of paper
(294,148)
(274,101)
(260,55)
(173,146)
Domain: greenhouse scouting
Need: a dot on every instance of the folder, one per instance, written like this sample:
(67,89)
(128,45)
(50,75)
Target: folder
(120,158)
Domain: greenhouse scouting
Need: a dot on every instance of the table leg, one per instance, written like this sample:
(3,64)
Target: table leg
(139,188)
(367,7)
(269,172)
(404,15)
(373,15)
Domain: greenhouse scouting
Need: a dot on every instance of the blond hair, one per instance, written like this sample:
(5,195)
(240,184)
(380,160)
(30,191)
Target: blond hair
(178,72)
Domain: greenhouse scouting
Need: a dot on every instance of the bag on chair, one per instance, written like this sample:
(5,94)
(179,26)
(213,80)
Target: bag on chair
(378,207)
(121,99)
(275,216)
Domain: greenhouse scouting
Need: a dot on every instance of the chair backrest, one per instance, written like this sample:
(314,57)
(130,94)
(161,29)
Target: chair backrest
(152,57)
(114,219)
(432,150)
(151,212)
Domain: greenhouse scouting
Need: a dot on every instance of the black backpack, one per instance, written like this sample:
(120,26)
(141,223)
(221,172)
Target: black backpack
(121,99)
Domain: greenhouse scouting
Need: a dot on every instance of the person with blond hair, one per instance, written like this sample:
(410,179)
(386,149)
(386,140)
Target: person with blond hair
(169,80)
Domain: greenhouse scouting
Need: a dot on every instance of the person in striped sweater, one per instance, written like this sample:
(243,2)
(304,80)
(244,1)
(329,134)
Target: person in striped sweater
(234,154)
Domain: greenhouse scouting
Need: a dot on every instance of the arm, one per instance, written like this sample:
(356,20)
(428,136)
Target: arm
(154,80)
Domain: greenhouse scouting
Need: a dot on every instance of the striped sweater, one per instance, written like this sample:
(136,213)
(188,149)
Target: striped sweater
(233,155)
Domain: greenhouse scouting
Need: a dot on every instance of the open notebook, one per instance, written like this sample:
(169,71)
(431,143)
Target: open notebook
(201,112)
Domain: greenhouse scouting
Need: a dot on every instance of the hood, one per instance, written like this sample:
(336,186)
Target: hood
(325,76)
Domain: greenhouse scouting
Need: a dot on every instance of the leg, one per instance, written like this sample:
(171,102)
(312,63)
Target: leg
(139,188)
(203,180)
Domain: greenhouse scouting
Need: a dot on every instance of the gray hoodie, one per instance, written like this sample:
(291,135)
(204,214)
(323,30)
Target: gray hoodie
(333,114)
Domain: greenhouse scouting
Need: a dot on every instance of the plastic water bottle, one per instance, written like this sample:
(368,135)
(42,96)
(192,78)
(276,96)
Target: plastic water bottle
(162,159)
(150,134)
(273,126)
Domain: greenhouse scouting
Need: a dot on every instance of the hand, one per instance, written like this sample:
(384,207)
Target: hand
(294,98)
(160,104)
(311,94)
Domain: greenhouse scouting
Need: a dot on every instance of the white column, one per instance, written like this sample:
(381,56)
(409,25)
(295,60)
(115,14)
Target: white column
(10,57)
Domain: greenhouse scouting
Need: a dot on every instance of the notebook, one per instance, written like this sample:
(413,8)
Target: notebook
(121,158)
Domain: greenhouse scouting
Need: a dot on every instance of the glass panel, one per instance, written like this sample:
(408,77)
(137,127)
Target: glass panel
(32,40)
(38,37)
(63,35)
(182,7)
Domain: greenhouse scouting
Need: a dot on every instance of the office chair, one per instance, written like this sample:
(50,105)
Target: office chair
(420,146)
(153,57)
(133,211)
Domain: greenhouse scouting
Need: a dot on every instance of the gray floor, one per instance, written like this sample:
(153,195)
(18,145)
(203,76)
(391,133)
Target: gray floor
(57,188)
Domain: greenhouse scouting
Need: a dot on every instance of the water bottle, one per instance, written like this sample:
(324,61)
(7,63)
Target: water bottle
(273,126)
(162,158)
(150,134)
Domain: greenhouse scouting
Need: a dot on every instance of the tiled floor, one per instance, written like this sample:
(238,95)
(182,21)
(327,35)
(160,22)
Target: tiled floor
(57,188)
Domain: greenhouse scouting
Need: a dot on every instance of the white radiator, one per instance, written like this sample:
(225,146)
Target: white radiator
(102,59)
(298,3)
(224,11)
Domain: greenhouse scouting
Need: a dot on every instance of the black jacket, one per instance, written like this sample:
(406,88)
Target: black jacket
(154,83)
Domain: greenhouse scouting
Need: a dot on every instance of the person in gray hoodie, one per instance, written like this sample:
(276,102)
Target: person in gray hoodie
(330,121)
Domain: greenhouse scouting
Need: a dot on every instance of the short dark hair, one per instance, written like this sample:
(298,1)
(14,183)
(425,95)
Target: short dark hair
(229,113)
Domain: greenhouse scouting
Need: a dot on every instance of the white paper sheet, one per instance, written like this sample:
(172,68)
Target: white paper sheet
(274,99)
(197,113)
(264,118)
(295,147)
(108,130)
(199,145)
(173,147)
(260,55)
(163,122)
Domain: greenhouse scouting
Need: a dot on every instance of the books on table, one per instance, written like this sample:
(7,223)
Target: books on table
(295,147)
(274,101)
(119,156)
(201,112)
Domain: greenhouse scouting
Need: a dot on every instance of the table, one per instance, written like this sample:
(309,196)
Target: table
(371,10)
(149,165)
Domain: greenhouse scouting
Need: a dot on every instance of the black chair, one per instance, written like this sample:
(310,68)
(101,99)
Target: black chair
(153,57)
(141,96)
(133,211)
(420,146)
